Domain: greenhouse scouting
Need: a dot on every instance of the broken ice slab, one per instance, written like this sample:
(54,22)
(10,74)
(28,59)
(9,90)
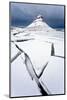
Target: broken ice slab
(58,43)
(53,76)
(38,51)
(21,82)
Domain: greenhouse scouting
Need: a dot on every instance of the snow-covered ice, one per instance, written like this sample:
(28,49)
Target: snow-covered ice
(36,41)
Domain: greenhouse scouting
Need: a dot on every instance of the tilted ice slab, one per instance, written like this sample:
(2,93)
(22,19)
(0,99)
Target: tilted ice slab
(21,82)
(53,76)
(38,51)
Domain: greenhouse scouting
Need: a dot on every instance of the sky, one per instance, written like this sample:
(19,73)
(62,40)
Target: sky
(22,14)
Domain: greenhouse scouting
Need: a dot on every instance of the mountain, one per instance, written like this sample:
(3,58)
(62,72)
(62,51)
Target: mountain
(39,25)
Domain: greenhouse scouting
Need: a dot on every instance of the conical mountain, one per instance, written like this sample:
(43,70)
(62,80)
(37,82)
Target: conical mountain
(39,25)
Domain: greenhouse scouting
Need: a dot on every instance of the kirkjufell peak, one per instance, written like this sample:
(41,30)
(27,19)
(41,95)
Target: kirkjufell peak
(39,25)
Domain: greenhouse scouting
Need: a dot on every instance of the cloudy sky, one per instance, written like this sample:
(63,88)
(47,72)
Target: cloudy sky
(23,14)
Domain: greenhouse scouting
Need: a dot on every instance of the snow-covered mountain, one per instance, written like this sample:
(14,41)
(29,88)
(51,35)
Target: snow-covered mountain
(39,25)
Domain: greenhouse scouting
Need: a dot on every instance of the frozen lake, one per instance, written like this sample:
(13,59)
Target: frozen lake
(39,51)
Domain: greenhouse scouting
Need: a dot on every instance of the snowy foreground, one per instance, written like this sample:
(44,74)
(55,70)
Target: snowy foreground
(38,48)
(37,60)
